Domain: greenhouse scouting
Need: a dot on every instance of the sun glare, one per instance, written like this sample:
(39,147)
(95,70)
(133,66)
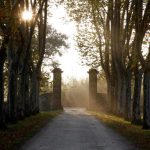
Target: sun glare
(27,15)
(70,64)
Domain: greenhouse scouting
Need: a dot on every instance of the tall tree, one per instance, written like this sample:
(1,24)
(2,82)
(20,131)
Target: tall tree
(116,28)
(24,58)
(142,20)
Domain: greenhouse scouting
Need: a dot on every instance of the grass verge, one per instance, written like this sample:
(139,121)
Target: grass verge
(16,134)
(134,133)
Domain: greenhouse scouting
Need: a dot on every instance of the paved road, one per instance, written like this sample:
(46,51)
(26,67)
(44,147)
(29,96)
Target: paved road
(76,130)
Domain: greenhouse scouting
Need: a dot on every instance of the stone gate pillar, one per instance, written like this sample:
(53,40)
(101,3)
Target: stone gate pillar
(92,87)
(56,102)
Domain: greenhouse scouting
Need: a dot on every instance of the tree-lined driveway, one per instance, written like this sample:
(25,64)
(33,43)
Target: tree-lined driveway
(75,129)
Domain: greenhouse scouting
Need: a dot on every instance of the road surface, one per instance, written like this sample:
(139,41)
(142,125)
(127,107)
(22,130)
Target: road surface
(75,129)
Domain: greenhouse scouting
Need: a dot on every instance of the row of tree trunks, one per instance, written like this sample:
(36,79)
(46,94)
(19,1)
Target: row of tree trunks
(25,49)
(21,96)
(34,96)
(120,35)
(120,97)
(27,88)
(128,103)
(123,74)
(12,92)
(142,21)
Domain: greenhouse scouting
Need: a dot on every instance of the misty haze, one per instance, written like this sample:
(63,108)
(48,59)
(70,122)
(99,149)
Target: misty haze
(74,75)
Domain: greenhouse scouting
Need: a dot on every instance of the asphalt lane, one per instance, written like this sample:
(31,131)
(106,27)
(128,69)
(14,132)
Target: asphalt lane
(75,129)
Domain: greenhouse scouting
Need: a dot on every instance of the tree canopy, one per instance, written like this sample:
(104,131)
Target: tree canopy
(111,34)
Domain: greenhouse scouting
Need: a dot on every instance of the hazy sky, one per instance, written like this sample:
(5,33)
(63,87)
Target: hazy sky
(70,62)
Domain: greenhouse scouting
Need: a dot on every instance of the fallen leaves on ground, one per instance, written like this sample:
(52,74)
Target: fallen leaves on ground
(16,134)
(134,133)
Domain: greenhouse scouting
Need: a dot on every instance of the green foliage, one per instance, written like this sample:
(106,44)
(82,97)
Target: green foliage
(54,43)
(46,83)
(87,39)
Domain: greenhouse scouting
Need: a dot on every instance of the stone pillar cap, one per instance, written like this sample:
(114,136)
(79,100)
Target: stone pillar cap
(57,70)
(92,70)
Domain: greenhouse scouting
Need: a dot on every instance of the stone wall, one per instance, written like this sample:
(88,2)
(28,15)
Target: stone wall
(56,101)
(96,100)
(45,101)
(52,101)
(102,99)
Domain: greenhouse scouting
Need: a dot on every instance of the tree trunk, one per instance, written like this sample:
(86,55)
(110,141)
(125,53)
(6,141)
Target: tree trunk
(2,118)
(12,92)
(114,84)
(128,96)
(37,95)
(21,96)
(24,104)
(121,94)
(146,107)
(136,110)
(34,93)
(26,94)
(109,96)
